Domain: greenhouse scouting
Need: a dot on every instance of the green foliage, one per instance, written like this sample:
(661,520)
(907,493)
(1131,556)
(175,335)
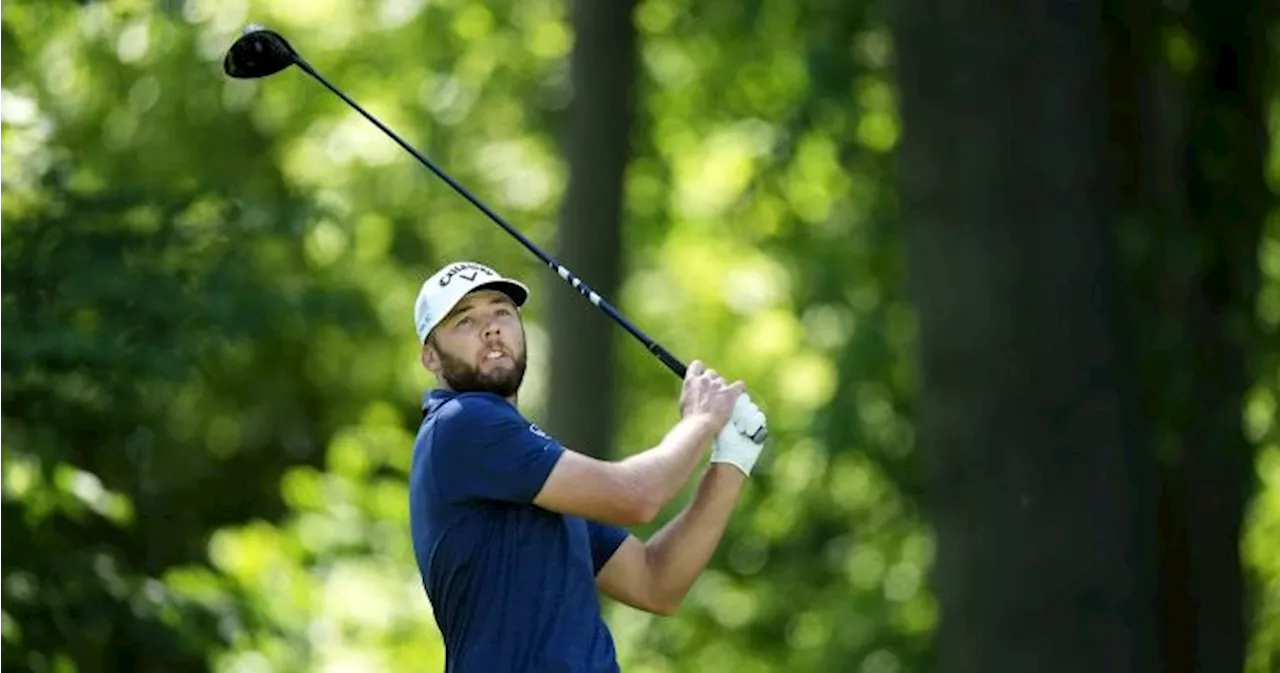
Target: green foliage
(1262,428)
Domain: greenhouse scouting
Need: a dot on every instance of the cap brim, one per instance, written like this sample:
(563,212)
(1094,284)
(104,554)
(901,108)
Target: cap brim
(516,290)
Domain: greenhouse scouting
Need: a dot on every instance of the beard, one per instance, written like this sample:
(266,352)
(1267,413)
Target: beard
(464,377)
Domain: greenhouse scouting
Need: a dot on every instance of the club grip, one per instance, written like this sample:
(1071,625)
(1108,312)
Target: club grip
(672,362)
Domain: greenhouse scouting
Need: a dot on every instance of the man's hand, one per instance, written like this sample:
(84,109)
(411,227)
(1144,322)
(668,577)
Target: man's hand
(735,448)
(739,422)
(708,395)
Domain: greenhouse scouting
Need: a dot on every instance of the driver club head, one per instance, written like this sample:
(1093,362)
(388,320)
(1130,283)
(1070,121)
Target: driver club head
(258,53)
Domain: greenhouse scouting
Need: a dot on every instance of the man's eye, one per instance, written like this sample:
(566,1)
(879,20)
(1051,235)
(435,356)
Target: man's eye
(464,322)
(504,311)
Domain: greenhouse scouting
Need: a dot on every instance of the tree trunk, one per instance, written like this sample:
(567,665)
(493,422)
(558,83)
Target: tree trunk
(597,144)
(1033,478)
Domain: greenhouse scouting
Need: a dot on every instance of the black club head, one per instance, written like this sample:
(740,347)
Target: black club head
(258,53)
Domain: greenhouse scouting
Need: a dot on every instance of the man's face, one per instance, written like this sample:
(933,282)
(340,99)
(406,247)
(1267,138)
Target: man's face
(480,346)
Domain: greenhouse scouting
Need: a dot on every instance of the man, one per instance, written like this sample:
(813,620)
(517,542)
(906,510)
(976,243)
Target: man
(514,533)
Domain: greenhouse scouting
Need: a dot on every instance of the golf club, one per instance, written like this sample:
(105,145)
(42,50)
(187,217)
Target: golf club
(260,52)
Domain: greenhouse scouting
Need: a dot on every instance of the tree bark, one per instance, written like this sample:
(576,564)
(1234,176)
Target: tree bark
(597,145)
(1044,557)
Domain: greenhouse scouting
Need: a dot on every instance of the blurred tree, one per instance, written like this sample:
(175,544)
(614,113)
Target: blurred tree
(157,374)
(1037,236)
(126,314)
(1042,555)
(597,139)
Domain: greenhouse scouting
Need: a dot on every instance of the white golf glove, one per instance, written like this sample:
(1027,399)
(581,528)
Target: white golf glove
(749,420)
(733,444)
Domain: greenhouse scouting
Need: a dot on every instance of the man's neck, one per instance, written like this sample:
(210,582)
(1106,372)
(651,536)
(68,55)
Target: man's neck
(514,400)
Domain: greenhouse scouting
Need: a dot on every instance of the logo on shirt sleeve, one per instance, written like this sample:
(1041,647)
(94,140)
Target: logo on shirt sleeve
(533,427)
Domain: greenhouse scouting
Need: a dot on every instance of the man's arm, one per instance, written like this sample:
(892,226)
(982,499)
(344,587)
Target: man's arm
(656,575)
(633,490)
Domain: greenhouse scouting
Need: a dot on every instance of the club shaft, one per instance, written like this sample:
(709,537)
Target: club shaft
(665,356)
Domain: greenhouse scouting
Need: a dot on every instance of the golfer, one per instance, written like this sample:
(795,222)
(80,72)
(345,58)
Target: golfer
(514,533)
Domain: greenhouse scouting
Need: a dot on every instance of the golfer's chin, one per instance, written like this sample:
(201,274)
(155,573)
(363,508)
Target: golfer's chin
(498,376)
(497,366)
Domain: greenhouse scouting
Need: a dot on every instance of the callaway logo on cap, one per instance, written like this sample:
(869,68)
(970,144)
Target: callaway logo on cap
(443,290)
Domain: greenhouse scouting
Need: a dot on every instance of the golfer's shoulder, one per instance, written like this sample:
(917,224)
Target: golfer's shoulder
(467,411)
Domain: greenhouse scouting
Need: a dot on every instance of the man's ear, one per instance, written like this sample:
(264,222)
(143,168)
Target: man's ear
(430,358)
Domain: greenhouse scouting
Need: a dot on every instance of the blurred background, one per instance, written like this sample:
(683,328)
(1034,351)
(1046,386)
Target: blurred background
(1007,285)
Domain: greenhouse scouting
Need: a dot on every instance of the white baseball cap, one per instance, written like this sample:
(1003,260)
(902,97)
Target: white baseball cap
(443,290)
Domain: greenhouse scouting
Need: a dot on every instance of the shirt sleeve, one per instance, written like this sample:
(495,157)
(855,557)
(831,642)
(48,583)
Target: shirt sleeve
(605,540)
(486,449)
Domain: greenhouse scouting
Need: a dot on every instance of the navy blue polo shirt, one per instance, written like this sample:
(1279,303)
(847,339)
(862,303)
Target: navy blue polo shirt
(512,585)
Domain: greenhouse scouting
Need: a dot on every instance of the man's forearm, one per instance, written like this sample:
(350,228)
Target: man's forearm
(680,551)
(662,471)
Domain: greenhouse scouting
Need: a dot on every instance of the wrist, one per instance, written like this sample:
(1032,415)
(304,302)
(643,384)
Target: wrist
(702,423)
(726,472)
